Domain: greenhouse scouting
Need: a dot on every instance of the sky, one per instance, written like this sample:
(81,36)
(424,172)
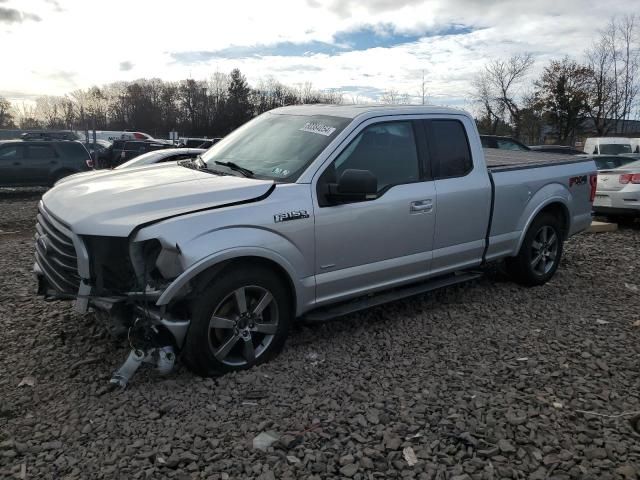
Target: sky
(361,48)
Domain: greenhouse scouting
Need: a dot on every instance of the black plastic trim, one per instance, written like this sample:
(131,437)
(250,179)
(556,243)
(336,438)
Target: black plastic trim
(488,234)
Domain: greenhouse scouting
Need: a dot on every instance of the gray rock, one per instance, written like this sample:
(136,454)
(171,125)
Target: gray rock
(349,470)
(505,446)
(595,453)
(346,460)
(264,440)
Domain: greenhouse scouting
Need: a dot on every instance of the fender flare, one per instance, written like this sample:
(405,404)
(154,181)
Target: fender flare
(230,254)
(551,200)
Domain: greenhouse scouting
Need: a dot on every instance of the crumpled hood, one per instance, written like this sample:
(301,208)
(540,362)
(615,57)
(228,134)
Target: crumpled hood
(114,203)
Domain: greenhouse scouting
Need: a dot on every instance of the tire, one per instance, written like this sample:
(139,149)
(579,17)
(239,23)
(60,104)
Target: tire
(220,340)
(537,261)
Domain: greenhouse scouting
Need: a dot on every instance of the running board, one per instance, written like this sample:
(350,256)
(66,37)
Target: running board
(323,314)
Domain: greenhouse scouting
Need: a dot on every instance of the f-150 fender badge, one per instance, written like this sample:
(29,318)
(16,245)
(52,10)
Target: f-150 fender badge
(287,216)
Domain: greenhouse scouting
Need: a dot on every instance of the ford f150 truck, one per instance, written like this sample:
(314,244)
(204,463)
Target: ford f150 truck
(304,212)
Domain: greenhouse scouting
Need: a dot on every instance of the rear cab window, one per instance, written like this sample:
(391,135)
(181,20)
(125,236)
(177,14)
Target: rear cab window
(448,146)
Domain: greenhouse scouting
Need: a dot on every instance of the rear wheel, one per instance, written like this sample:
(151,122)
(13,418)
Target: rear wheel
(540,253)
(240,320)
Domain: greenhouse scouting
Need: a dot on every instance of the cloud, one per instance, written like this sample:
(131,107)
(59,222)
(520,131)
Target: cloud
(345,8)
(55,4)
(365,37)
(126,66)
(11,15)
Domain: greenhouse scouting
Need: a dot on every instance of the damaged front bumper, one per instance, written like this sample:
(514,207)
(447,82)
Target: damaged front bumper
(119,312)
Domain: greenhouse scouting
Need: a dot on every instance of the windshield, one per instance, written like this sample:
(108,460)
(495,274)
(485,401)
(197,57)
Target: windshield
(276,146)
(614,148)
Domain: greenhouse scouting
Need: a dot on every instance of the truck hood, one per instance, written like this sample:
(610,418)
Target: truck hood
(114,203)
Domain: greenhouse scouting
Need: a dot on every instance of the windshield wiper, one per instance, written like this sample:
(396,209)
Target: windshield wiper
(237,168)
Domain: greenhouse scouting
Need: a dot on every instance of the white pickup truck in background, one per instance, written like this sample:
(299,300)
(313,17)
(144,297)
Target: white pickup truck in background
(304,212)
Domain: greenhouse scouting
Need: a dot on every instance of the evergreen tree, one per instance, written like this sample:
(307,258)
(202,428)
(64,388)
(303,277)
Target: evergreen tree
(238,108)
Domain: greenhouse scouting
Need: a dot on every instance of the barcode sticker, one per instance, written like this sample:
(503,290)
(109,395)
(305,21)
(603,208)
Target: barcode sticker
(320,129)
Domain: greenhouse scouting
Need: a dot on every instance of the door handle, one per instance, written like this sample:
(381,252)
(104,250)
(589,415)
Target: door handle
(420,206)
(16,164)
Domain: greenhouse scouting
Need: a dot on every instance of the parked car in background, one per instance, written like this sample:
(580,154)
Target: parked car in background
(618,192)
(112,135)
(192,142)
(160,156)
(49,135)
(562,149)
(607,145)
(307,211)
(502,143)
(608,162)
(124,150)
(635,145)
(41,163)
(102,153)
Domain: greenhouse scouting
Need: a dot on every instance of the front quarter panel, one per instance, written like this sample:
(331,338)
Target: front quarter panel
(278,228)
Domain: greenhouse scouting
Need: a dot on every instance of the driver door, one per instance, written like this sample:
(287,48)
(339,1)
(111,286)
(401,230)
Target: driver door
(375,244)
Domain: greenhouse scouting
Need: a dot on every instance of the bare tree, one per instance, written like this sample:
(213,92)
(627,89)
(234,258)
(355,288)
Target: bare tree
(504,77)
(394,97)
(25,116)
(628,36)
(423,93)
(6,117)
(485,96)
(603,103)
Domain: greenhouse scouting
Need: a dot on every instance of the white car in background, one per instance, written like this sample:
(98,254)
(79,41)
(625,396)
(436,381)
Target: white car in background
(159,156)
(111,135)
(607,145)
(618,192)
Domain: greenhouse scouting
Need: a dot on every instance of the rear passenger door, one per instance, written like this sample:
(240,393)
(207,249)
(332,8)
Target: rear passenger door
(464,195)
(40,160)
(11,157)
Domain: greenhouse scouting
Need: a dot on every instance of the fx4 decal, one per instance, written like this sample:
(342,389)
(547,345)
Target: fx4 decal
(581,180)
(287,216)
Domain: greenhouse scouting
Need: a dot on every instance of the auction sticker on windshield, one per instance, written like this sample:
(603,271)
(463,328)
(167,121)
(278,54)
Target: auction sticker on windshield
(314,127)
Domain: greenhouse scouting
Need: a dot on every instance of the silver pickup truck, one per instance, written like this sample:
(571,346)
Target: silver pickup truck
(304,212)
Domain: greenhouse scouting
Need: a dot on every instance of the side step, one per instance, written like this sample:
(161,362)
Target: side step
(323,314)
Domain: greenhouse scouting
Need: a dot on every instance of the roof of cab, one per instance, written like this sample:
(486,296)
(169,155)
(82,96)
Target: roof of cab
(353,111)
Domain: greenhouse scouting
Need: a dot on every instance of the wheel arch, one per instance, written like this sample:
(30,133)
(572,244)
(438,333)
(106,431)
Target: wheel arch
(207,269)
(558,207)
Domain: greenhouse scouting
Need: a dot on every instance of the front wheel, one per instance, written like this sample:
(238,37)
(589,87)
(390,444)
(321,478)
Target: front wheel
(540,253)
(240,320)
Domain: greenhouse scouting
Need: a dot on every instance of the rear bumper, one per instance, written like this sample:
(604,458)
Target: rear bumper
(621,202)
(630,212)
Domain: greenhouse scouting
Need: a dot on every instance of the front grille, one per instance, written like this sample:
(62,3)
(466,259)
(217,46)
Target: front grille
(56,254)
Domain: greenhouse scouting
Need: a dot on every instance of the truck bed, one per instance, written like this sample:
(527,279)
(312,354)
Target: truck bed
(502,160)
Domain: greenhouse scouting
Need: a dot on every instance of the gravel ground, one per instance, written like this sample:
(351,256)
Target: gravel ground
(482,381)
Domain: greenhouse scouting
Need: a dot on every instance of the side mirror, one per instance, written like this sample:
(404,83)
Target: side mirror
(353,185)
